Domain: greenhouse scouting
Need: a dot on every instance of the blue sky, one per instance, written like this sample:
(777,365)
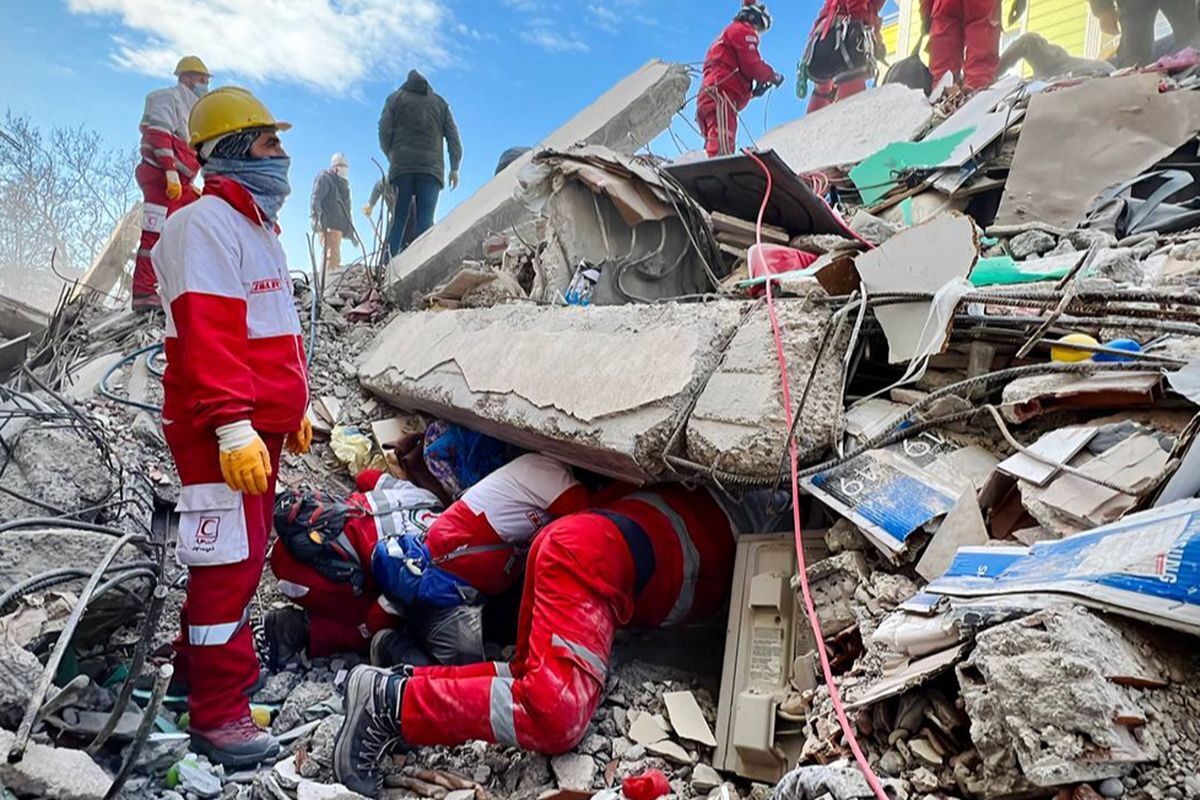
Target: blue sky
(512,70)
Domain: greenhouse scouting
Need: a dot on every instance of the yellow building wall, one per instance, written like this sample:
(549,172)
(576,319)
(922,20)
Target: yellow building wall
(1066,23)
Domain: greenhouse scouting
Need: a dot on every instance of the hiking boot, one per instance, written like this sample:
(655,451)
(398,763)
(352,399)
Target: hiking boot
(286,632)
(237,745)
(395,648)
(370,730)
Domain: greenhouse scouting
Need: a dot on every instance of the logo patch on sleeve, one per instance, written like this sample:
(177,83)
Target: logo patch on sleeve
(266,285)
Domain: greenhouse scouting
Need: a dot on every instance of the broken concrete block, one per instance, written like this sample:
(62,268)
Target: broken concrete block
(601,387)
(738,422)
(19,673)
(574,771)
(1040,696)
(626,118)
(58,467)
(51,773)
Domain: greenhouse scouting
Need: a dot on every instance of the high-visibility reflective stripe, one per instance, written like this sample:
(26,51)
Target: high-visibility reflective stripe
(691,558)
(504,728)
(164,151)
(143,253)
(216,635)
(503,670)
(292,590)
(388,606)
(344,540)
(591,657)
(385,523)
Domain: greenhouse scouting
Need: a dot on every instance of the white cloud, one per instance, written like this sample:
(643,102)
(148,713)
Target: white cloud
(554,42)
(604,17)
(329,45)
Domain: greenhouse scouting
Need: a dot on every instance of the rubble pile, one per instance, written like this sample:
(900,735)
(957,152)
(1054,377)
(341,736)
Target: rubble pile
(987,307)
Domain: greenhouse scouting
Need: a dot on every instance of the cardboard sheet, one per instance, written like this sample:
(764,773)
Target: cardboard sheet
(1078,141)
(1146,566)
(924,258)
(1061,446)
(962,527)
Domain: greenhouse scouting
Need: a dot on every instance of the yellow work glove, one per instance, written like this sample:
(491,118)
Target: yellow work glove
(174,187)
(368,211)
(298,443)
(245,462)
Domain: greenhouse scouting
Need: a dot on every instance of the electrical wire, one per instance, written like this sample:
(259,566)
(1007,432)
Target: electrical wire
(802,567)
(106,392)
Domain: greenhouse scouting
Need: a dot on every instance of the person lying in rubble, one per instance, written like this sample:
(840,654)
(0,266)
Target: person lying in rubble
(652,558)
(360,568)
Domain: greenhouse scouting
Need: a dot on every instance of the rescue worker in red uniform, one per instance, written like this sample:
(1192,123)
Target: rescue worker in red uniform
(964,40)
(864,12)
(731,69)
(235,393)
(433,569)
(651,558)
(167,168)
(328,575)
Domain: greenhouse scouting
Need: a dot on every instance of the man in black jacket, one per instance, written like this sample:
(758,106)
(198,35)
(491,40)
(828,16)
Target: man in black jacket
(331,209)
(415,122)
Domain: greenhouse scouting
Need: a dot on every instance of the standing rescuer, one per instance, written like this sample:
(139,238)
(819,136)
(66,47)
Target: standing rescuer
(168,166)
(964,40)
(331,216)
(415,122)
(731,69)
(236,391)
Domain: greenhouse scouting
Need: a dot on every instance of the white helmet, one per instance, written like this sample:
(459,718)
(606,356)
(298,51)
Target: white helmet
(339,160)
(756,14)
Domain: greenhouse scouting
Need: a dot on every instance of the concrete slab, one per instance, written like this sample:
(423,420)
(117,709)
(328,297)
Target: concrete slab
(625,118)
(738,422)
(847,132)
(603,387)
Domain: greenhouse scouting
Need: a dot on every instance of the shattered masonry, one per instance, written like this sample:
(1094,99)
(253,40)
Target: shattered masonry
(993,367)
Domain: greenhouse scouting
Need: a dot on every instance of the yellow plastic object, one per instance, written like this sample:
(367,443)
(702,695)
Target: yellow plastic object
(298,443)
(191,64)
(247,468)
(1069,355)
(261,716)
(226,110)
(352,447)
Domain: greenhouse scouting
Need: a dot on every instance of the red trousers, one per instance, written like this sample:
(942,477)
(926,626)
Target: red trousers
(155,210)
(827,93)
(964,40)
(718,119)
(339,621)
(216,646)
(579,588)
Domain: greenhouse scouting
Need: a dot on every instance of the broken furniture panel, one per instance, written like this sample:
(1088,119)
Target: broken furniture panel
(735,185)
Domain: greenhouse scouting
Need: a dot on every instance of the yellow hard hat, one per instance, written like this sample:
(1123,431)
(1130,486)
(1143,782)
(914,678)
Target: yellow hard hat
(191,64)
(226,110)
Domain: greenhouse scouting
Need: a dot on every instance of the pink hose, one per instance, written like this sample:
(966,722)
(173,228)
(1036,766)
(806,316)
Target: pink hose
(793,456)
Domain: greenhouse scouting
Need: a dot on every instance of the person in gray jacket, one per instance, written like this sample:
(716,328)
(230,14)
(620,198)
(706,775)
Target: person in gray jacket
(415,122)
(331,209)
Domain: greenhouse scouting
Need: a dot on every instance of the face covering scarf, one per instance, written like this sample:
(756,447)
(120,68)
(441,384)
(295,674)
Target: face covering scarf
(266,179)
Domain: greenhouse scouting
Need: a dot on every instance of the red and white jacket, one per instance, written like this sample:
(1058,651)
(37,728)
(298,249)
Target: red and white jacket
(683,547)
(483,536)
(733,64)
(165,133)
(233,341)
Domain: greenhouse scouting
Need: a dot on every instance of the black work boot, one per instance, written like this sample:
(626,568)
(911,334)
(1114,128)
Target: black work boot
(370,730)
(286,632)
